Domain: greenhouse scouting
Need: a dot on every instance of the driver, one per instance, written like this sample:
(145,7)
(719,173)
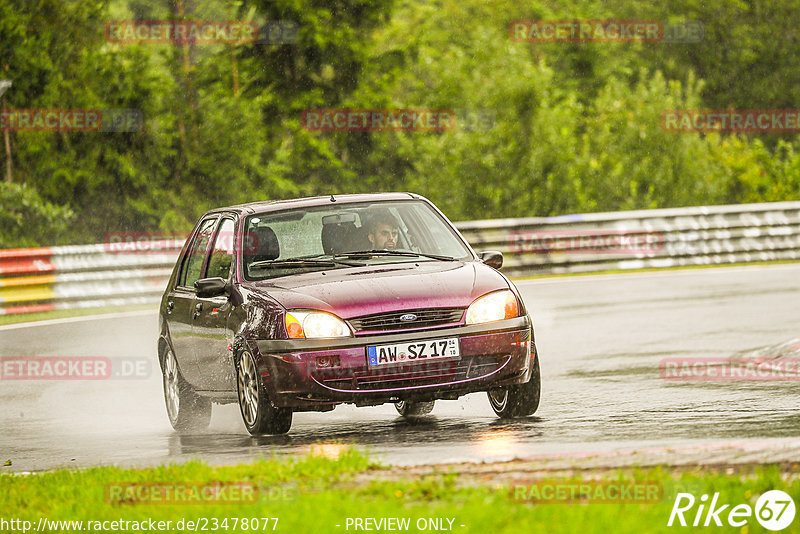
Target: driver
(382,231)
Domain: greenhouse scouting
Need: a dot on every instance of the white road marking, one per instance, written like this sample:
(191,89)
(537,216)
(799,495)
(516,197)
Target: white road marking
(79,319)
(655,274)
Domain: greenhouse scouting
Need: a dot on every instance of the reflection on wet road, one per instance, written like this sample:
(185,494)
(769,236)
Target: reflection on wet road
(601,340)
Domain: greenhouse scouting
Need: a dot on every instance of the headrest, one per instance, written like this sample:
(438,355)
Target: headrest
(263,243)
(336,237)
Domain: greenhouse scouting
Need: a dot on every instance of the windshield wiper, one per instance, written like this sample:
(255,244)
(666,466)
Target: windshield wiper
(387,252)
(329,258)
(299,262)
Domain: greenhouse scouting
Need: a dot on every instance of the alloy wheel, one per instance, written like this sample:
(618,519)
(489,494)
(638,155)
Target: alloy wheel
(171,386)
(248,388)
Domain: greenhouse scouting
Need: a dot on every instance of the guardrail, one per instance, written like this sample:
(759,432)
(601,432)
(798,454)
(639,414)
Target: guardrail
(42,279)
(83,276)
(701,235)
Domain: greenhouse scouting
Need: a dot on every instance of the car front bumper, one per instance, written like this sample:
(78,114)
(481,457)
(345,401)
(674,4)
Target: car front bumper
(491,355)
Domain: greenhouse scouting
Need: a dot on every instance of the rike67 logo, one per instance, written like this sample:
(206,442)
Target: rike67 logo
(774,510)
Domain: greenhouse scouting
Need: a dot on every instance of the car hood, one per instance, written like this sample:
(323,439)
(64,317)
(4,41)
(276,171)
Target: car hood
(356,291)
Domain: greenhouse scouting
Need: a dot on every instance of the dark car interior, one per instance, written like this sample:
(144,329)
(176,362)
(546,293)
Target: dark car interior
(340,234)
(263,243)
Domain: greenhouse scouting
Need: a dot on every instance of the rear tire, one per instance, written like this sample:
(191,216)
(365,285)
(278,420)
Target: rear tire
(414,409)
(519,400)
(187,411)
(260,416)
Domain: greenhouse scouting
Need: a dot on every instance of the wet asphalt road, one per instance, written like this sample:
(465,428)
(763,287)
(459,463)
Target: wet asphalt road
(600,338)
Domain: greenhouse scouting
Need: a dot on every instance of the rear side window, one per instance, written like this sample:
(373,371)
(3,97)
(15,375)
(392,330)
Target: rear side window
(193,263)
(221,258)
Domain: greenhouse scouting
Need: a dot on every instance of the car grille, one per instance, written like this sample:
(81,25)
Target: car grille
(412,374)
(392,321)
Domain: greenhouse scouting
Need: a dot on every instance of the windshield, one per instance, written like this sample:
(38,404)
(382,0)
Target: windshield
(346,235)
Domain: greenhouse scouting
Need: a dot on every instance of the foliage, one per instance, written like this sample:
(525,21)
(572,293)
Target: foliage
(567,127)
(26,219)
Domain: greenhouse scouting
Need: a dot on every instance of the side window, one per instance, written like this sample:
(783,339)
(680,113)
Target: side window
(222,252)
(193,263)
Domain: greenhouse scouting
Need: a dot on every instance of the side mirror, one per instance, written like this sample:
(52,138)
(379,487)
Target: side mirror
(492,258)
(211,287)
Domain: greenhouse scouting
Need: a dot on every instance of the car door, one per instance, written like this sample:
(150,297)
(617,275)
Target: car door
(181,300)
(210,334)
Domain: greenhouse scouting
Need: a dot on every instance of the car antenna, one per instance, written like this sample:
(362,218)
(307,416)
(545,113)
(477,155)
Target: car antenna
(333,199)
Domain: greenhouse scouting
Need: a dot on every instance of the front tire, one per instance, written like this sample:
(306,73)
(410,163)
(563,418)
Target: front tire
(519,400)
(187,411)
(260,416)
(414,409)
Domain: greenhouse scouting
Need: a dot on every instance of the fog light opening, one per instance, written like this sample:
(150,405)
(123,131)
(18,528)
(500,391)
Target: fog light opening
(326,362)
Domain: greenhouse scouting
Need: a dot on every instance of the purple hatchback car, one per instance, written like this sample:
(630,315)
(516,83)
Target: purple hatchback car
(300,305)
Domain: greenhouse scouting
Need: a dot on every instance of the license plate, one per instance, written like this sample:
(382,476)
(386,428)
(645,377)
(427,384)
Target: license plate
(412,352)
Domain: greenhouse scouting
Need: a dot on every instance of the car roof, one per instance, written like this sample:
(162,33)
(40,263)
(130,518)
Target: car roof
(275,205)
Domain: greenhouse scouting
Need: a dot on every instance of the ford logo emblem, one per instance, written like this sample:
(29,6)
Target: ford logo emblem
(408,317)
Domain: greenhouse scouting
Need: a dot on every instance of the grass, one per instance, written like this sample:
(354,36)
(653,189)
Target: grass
(318,494)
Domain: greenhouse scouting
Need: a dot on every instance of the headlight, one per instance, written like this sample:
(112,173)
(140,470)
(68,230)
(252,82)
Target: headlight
(493,307)
(314,324)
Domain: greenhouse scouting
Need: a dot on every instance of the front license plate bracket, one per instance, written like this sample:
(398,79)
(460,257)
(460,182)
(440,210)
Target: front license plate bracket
(415,351)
